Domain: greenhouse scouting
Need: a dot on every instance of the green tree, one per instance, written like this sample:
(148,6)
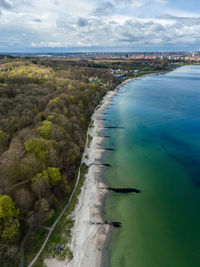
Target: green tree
(39,147)
(9,223)
(52,174)
(71,98)
(45,130)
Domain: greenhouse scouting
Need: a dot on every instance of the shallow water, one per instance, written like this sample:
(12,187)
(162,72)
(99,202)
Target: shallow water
(158,152)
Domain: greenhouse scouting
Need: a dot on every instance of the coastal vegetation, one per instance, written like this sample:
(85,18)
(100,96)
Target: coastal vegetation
(45,110)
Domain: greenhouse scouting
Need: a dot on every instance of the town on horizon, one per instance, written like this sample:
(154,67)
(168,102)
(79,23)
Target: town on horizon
(173,56)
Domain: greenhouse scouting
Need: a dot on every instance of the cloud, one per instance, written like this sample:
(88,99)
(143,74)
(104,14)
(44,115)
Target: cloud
(111,23)
(138,3)
(5,4)
(103,9)
(82,22)
(132,32)
(184,20)
(37,20)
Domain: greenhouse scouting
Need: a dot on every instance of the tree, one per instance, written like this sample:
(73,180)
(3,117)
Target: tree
(40,186)
(45,130)
(18,171)
(52,174)
(43,210)
(39,147)
(3,140)
(9,223)
(8,255)
(23,199)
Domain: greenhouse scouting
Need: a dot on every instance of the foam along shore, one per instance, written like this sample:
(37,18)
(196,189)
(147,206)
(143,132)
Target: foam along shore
(88,240)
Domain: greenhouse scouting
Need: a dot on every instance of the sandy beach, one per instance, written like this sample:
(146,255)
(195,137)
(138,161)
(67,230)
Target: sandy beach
(88,239)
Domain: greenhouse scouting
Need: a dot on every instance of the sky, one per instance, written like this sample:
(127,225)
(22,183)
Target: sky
(98,25)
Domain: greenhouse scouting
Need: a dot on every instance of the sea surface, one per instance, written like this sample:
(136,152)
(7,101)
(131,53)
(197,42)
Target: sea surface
(157,152)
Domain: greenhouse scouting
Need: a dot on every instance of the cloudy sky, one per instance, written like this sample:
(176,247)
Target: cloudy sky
(89,25)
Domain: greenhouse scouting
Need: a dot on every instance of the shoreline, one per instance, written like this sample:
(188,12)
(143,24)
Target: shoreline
(88,241)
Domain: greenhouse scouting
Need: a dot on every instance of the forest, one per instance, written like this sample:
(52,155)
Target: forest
(45,110)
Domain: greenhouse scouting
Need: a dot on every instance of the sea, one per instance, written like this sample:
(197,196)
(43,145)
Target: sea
(156,146)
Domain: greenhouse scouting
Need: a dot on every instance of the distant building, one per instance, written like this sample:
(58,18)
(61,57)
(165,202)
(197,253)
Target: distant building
(92,79)
(163,57)
(119,75)
(194,54)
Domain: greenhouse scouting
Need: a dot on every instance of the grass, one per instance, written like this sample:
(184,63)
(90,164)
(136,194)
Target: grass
(52,219)
(141,74)
(33,244)
(62,232)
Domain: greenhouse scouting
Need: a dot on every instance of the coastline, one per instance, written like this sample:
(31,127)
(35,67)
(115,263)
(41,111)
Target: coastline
(88,242)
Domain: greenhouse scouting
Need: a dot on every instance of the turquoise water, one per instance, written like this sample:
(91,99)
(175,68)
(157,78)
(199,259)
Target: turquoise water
(158,152)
